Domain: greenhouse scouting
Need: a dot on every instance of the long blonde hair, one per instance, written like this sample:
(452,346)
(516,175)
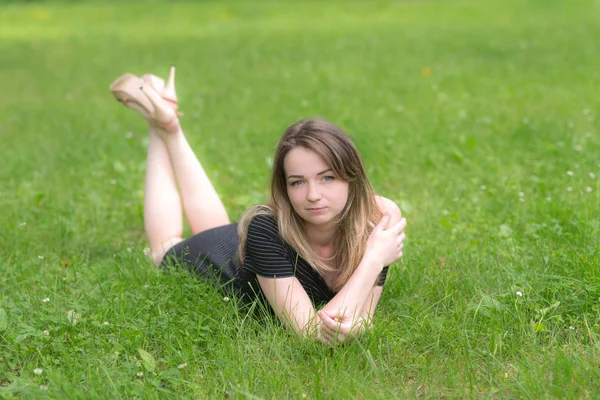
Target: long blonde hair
(354,223)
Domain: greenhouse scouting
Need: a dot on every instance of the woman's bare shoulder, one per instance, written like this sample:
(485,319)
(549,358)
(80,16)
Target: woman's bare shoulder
(387,205)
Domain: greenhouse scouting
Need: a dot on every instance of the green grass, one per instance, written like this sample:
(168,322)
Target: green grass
(468,114)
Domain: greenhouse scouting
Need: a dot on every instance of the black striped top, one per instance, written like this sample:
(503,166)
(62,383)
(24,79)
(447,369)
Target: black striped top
(268,255)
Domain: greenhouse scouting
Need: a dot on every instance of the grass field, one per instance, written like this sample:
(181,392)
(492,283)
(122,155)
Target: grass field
(479,118)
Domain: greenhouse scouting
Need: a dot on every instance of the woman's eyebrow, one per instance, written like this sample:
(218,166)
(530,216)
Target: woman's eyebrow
(302,176)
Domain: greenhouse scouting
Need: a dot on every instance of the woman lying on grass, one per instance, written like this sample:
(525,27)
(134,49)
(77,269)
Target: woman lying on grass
(324,240)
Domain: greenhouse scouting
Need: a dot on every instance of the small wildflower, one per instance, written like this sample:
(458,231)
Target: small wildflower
(570,173)
(506,375)
(519,294)
(592,175)
(129,249)
(44,387)
(569,189)
(548,198)
(46,300)
(181,366)
(483,187)
(73,317)
(572,328)
(146,250)
(105,323)
(521,194)
(38,371)
(225,298)
(41,257)
(46,333)
(23,224)
(588,189)
(140,374)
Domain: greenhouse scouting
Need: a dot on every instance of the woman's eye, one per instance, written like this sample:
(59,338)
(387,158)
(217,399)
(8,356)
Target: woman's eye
(328,178)
(295,183)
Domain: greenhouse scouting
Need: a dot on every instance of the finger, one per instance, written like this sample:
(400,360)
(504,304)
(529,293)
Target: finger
(383,223)
(402,236)
(327,336)
(400,225)
(328,321)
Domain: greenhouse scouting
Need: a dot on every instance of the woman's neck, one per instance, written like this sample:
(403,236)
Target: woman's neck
(321,236)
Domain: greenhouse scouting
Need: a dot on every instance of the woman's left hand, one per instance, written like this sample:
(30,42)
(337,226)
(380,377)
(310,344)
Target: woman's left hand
(337,330)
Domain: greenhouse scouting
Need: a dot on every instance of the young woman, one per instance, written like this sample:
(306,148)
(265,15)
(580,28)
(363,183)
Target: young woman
(318,252)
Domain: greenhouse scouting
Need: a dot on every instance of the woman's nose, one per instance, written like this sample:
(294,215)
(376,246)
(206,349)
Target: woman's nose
(313,192)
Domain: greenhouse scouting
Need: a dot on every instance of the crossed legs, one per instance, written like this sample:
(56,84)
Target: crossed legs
(170,161)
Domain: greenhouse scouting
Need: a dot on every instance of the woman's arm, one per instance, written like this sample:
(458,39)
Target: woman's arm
(356,301)
(384,247)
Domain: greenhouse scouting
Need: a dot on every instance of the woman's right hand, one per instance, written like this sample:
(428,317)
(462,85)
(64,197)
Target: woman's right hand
(385,245)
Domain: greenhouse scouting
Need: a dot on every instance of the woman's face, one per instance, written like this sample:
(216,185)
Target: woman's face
(316,193)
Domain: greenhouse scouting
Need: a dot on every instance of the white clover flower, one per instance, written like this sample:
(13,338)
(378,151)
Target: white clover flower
(548,198)
(146,250)
(181,366)
(139,364)
(139,374)
(44,387)
(38,371)
(570,173)
(519,294)
(46,333)
(483,187)
(129,249)
(569,189)
(23,224)
(46,300)
(521,194)
(225,298)
(105,323)
(41,257)
(588,189)
(592,175)
(572,328)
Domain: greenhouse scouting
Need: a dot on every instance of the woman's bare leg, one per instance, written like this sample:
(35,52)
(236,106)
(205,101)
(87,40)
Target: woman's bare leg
(201,203)
(171,158)
(162,205)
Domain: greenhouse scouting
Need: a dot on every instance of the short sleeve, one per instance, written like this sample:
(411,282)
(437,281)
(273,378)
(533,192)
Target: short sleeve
(382,276)
(266,254)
